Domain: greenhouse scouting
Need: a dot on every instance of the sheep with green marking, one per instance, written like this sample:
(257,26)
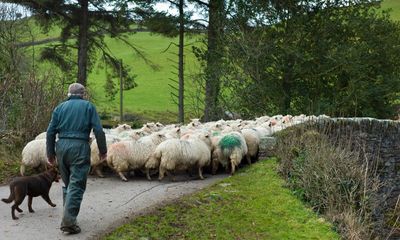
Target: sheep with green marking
(228,151)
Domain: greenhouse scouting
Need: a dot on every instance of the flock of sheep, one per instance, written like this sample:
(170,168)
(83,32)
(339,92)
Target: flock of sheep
(170,148)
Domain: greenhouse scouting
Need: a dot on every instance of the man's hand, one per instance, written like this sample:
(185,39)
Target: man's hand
(51,160)
(103,157)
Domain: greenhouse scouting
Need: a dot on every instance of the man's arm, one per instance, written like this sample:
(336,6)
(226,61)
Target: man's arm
(98,132)
(51,138)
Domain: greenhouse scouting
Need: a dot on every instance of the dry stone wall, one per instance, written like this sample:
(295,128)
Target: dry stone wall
(379,144)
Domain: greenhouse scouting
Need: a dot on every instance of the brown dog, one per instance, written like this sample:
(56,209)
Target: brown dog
(33,186)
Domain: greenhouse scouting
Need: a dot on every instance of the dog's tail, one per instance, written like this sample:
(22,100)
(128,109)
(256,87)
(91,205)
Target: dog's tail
(11,197)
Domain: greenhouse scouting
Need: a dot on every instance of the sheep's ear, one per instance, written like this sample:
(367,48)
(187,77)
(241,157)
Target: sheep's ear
(178,130)
(207,135)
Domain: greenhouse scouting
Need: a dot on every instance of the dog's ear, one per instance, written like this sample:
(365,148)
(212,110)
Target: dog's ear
(53,168)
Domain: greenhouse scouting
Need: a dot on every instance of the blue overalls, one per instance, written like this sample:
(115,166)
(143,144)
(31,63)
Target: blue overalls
(73,120)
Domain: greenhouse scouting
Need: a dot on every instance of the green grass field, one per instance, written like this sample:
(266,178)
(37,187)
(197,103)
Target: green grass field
(250,205)
(153,92)
(152,97)
(395,6)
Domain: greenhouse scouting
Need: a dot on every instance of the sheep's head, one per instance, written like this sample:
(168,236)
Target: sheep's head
(124,127)
(159,138)
(159,125)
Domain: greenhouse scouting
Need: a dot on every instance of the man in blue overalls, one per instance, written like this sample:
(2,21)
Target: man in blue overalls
(73,120)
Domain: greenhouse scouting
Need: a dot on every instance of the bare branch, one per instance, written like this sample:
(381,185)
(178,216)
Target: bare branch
(170,44)
(201,3)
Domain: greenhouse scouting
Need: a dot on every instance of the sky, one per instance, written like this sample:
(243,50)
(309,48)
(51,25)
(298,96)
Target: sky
(166,7)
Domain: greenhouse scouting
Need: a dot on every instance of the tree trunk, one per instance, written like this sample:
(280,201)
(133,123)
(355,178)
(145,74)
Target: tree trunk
(83,42)
(215,29)
(287,85)
(181,63)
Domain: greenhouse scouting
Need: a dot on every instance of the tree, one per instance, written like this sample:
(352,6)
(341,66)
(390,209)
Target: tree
(170,26)
(167,25)
(86,21)
(212,56)
(307,57)
(25,95)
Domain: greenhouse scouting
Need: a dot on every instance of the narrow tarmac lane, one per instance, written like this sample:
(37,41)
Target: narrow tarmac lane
(107,203)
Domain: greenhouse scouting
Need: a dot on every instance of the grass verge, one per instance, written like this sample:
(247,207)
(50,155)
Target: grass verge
(9,163)
(250,205)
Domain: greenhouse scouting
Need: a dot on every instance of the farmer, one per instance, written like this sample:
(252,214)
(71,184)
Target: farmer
(73,120)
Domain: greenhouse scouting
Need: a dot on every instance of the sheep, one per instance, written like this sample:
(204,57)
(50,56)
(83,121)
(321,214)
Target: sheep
(121,128)
(34,155)
(151,127)
(130,155)
(95,161)
(252,139)
(228,149)
(131,134)
(194,124)
(179,154)
(42,135)
(171,133)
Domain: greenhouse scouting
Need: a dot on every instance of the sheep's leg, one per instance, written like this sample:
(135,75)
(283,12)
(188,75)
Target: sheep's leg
(214,167)
(148,174)
(257,154)
(161,173)
(173,176)
(201,173)
(248,159)
(122,176)
(97,170)
(233,167)
(189,172)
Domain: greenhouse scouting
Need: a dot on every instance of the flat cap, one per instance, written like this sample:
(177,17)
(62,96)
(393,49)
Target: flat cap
(76,89)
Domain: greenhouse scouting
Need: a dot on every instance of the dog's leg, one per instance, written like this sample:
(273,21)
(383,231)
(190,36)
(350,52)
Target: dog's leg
(30,204)
(14,207)
(47,199)
(19,195)
(13,212)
